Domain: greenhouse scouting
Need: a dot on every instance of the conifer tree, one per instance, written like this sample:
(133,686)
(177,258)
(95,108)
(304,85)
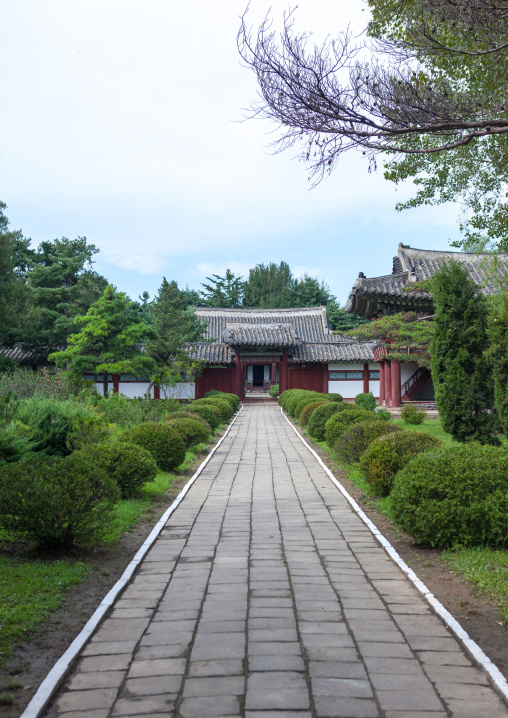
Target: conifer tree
(109,340)
(459,365)
(498,335)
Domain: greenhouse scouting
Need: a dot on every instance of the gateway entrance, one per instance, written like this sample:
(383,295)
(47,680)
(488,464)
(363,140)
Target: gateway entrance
(258,375)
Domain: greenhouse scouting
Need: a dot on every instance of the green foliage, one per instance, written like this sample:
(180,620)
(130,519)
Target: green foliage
(462,380)
(224,291)
(398,333)
(383,414)
(296,396)
(51,421)
(342,420)
(89,429)
(341,321)
(334,396)
(273,391)
(25,383)
(56,501)
(9,405)
(365,401)
(498,336)
(299,406)
(269,286)
(132,412)
(285,396)
(384,457)
(233,400)
(206,412)
(7,365)
(109,341)
(352,442)
(184,414)
(412,414)
(163,442)
(457,495)
(129,465)
(317,422)
(223,406)
(192,431)
(307,411)
(15,442)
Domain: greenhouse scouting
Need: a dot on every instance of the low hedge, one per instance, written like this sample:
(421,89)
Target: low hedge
(129,465)
(365,401)
(456,495)
(296,397)
(302,403)
(319,417)
(163,442)
(210,415)
(192,431)
(56,501)
(233,400)
(412,414)
(342,420)
(224,407)
(184,414)
(352,443)
(308,410)
(284,397)
(389,454)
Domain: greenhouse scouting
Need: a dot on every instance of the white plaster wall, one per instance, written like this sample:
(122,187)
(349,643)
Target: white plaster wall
(183,390)
(407,370)
(345,367)
(348,389)
(133,389)
(267,372)
(374,387)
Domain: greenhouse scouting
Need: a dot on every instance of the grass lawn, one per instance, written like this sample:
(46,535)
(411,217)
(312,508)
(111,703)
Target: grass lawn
(429,426)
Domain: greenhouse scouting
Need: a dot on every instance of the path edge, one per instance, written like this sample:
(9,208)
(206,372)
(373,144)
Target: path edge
(497,678)
(64,664)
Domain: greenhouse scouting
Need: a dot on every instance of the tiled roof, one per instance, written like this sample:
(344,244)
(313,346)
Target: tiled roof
(309,324)
(373,296)
(25,356)
(212,353)
(262,335)
(340,352)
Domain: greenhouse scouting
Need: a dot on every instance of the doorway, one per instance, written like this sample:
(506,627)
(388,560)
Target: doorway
(258,375)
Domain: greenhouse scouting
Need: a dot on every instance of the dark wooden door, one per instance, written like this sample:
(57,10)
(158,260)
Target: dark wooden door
(258,374)
(219,379)
(310,378)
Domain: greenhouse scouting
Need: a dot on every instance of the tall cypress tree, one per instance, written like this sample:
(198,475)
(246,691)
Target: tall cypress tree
(498,335)
(460,368)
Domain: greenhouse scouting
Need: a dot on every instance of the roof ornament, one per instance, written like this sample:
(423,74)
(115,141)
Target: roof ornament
(361,275)
(412,276)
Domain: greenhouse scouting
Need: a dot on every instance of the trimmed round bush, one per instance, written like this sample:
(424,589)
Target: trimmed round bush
(457,495)
(129,465)
(224,407)
(192,431)
(389,454)
(365,401)
(412,414)
(163,442)
(300,405)
(184,414)
(352,443)
(284,397)
(333,396)
(307,411)
(342,420)
(207,413)
(58,502)
(296,396)
(319,417)
(231,398)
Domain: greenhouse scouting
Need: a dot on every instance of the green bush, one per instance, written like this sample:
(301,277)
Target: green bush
(365,401)
(129,465)
(15,442)
(192,431)
(51,421)
(128,413)
(308,399)
(307,412)
(165,445)
(333,396)
(352,443)
(273,391)
(184,414)
(319,417)
(456,495)
(296,396)
(286,396)
(86,430)
(58,502)
(342,420)
(206,413)
(412,415)
(224,407)
(231,398)
(383,414)
(389,454)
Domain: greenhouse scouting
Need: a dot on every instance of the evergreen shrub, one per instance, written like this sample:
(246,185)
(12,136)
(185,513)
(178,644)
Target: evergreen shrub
(384,457)
(163,442)
(232,398)
(333,396)
(185,414)
(283,398)
(192,431)
(319,417)
(56,501)
(51,421)
(129,465)
(15,442)
(342,420)
(352,443)
(224,407)
(365,401)
(456,495)
(206,412)
(302,403)
(128,413)
(293,400)
(306,413)
(412,414)
(273,391)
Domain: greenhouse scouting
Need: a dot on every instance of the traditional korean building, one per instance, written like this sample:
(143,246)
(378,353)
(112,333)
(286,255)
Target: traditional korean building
(247,350)
(373,297)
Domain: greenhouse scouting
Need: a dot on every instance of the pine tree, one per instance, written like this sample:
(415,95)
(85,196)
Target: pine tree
(109,341)
(459,365)
(15,304)
(224,291)
(270,286)
(498,335)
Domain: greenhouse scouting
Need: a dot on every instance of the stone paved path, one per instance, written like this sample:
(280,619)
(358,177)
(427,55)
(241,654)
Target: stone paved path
(266,596)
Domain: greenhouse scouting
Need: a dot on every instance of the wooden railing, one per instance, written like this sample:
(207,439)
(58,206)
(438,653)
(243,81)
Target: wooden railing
(406,386)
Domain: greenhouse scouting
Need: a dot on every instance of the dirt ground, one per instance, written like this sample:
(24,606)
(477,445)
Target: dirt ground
(34,658)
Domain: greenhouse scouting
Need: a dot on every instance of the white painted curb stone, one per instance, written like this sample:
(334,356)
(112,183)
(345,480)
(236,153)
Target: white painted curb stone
(56,675)
(472,648)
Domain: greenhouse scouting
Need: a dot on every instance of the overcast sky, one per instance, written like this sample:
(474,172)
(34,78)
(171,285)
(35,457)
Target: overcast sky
(121,122)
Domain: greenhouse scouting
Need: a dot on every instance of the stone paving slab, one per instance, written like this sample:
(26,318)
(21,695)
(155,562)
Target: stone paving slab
(265,596)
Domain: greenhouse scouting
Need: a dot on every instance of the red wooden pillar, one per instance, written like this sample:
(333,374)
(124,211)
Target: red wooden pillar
(325,379)
(365,378)
(156,391)
(381,382)
(238,376)
(273,373)
(388,383)
(116,383)
(396,395)
(283,378)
